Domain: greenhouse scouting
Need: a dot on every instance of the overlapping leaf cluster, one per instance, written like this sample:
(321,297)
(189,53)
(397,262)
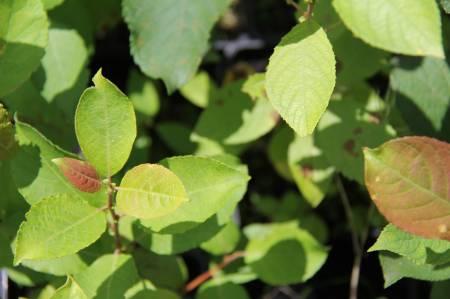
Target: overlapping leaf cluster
(113,218)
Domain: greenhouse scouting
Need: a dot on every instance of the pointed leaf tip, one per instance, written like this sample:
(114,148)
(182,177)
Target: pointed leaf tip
(80,174)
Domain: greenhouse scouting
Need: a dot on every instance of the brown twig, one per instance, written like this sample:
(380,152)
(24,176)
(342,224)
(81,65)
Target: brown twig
(357,247)
(196,282)
(114,216)
(309,9)
(293,4)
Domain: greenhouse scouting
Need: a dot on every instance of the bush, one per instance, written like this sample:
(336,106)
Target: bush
(225,149)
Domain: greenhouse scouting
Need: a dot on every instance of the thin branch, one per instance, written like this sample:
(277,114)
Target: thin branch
(356,269)
(309,9)
(293,4)
(199,280)
(114,216)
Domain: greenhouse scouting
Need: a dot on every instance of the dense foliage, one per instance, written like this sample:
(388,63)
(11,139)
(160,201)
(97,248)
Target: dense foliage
(204,162)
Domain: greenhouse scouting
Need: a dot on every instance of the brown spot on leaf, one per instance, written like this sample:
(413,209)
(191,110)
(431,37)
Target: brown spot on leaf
(357,131)
(349,147)
(307,170)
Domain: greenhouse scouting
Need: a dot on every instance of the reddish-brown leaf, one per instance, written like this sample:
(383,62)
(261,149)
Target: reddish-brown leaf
(80,174)
(409,181)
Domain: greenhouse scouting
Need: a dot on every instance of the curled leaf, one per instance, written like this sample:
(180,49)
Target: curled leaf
(80,174)
(409,181)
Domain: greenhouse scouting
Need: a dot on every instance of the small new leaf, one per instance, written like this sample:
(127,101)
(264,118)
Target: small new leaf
(80,174)
(149,191)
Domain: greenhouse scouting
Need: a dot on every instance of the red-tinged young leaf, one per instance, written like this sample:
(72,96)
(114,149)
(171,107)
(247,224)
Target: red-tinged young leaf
(80,174)
(409,181)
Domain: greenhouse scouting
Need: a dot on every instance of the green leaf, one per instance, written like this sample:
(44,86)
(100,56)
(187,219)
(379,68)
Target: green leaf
(23,38)
(396,267)
(80,174)
(417,249)
(400,26)
(278,151)
(210,186)
(143,94)
(150,191)
(232,118)
(176,135)
(153,48)
(64,60)
(422,87)
(224,241)
(7,142)
(105,125)
(33,168)
(357,60)
(167,272)
(301,76)
(108,277)
(58,226)
(62,266)
(166,244)
(446,5)
(199,90)
(407,179)
(220,289)
(156,294)
(311,171)
(342,133)
(267,248)
(70,290)
(255,86)
(50,4)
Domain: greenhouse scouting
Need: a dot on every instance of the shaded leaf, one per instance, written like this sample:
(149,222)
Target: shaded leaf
(108,277)
(7,141)
(105,126)
(64,60)
(143,93)
(400,26)
(33,168)
(176,135)
(267,248)
(199,90)
(220,289)
(344,130)
(446,5)
(80,174)
(58,226)
(301,76)
(225,241)
(183,41)
(408,180)
(423,88)
(150,191)
(70,290)
(417,249)
(311,171)
(396,267)
(23,38)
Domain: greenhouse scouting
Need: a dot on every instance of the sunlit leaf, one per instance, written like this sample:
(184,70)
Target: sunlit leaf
(23,38)
(408,180)
(58,226)
(301,76)
(105,125)
(150,191)
(400,26)
(80,174)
